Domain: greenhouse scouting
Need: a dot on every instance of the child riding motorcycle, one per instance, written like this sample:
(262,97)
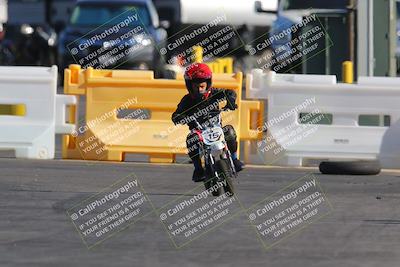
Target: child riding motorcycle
(201,100)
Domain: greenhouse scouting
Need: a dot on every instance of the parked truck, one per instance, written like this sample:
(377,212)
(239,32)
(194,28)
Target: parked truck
(295,22)
(182,17)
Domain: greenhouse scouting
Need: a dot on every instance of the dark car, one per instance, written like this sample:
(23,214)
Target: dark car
(29,34)
(34,44)
(121,34)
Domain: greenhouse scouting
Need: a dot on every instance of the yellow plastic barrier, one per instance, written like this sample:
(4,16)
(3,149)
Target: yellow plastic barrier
(104,136)
(221,65)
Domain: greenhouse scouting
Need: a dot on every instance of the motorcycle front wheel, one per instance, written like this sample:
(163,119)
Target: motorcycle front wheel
(211,180)
(224,170)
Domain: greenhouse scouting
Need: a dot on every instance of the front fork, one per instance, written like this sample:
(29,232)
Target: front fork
(212,161)
(209,162)
(231,162)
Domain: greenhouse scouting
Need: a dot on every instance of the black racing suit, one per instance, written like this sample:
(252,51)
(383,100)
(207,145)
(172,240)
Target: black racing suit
(200,108)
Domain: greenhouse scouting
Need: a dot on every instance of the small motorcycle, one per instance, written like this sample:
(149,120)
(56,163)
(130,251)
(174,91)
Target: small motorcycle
(218,163)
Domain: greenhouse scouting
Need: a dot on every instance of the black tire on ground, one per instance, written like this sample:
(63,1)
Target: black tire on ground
(350,167)
(225,170)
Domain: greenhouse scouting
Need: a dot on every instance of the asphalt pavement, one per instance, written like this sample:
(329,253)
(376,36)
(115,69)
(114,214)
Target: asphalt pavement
(360,225)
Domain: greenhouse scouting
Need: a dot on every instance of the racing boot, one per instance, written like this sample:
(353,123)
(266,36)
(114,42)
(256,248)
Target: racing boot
(239,166)
(198,173)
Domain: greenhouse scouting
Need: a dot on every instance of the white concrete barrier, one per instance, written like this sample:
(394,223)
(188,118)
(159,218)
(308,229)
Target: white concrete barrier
(32,135)
(348,121)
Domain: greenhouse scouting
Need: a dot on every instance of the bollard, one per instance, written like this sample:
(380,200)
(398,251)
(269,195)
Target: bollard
(198,54)
(347,72)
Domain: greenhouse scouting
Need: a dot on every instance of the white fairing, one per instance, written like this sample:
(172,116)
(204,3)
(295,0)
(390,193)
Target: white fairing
(218,146)
(213,135)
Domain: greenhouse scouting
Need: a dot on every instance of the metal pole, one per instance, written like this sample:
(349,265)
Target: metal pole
(371,58)
(351,21)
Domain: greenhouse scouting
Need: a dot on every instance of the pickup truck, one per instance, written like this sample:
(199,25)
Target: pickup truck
(293,12)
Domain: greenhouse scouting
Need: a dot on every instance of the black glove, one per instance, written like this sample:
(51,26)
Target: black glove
(230,106)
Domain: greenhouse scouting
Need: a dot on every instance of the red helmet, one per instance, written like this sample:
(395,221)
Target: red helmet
(197,73)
